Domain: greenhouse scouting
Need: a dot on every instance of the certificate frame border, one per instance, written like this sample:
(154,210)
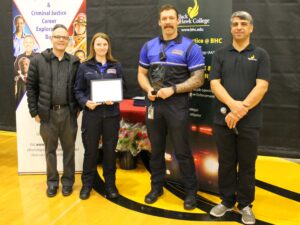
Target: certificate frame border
(100,80)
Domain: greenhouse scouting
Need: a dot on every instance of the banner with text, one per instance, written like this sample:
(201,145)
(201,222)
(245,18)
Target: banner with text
(32,27)
(209,27)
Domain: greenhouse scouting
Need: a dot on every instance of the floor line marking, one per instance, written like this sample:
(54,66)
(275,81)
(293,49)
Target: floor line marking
(65,212)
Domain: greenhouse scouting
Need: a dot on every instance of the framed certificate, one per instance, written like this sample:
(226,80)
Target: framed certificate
(106,90)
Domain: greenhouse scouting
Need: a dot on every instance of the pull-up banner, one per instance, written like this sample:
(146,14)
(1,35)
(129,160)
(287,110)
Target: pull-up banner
(32,28)
(208,24)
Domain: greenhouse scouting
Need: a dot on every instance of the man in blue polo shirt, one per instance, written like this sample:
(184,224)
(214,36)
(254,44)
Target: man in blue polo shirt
(239,79)
(170,67)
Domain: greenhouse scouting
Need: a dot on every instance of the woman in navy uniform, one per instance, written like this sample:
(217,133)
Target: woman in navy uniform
(99,119)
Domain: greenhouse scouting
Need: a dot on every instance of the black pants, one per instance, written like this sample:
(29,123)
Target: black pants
(171,117)
(61,126)
(94,125)
(237,156)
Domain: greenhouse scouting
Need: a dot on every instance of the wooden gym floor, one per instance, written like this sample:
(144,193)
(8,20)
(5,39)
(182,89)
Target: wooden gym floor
(23,197)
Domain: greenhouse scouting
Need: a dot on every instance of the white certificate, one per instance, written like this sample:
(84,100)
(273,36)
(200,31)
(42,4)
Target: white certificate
(106,90)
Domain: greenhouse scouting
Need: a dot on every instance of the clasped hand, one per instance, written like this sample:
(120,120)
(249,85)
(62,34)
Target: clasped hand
(161,93)
(238,110)
(231,120)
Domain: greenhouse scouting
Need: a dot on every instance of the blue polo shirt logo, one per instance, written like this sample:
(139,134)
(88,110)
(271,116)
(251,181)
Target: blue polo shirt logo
(177,52)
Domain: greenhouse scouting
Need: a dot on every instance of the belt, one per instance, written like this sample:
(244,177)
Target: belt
(57,107)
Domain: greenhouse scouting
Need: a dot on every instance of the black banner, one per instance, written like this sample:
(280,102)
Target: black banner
(209,27)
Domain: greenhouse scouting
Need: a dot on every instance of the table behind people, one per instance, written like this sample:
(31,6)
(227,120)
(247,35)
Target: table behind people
(132,113)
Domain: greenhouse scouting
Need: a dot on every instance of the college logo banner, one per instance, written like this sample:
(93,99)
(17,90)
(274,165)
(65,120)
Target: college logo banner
(209,27)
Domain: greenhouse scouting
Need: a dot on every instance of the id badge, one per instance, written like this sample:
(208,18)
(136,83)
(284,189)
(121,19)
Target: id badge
(150,112)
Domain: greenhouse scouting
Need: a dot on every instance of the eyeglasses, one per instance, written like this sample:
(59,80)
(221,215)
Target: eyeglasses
(66,38)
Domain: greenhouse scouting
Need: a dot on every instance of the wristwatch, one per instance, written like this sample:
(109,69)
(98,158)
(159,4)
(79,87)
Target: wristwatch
(174,88)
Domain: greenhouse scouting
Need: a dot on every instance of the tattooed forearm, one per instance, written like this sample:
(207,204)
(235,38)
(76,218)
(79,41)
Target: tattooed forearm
(195,81)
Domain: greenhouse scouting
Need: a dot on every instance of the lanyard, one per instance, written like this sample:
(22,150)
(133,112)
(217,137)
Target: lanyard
(101,67)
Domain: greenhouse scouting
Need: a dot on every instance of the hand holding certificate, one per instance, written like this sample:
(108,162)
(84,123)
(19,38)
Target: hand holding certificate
(92,105)
(106,90)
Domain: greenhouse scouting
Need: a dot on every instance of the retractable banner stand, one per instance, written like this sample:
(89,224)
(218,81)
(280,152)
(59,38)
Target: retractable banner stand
(208,24)
(33,21)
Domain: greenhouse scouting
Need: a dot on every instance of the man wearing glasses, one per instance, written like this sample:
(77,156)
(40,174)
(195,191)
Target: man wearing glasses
(52,104)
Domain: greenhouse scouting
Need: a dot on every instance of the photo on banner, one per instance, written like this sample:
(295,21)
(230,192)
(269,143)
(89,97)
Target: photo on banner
(208,28)
(32,28)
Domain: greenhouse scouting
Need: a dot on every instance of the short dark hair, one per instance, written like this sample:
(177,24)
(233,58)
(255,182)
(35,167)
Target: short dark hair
(59,26)
(168,7)
(79,50)
(22,60)
(18,17)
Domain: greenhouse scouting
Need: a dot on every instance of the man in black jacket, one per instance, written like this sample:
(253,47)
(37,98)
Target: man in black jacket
(52,103)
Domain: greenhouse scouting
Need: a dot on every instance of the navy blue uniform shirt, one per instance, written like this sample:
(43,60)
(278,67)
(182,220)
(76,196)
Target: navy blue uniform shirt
(92,70)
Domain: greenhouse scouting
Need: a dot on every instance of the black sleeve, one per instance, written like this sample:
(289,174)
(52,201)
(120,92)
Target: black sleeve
(264,68)
(119,70)
(33,87)
(216,67)
(121,75)
(80,87)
